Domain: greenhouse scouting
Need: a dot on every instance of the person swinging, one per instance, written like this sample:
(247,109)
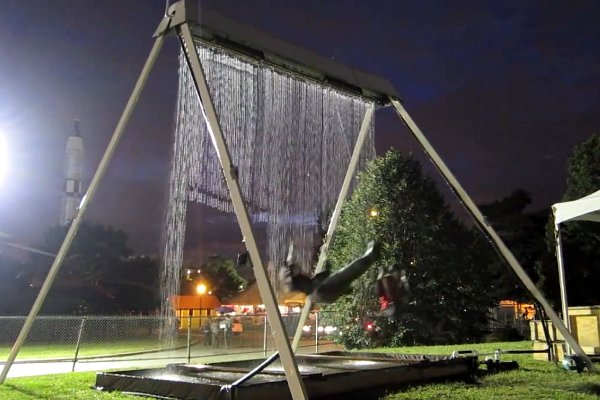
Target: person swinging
(392,290)
(325,287)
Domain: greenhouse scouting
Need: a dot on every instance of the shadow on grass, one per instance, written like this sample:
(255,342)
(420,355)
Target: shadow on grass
(379,392)
(32,394)
(591,388)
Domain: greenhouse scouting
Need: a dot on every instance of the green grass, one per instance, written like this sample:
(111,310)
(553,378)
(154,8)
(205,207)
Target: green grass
(533,380)
(73,386)
(67,350)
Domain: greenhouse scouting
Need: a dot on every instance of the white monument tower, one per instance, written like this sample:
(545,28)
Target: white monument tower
(73,170)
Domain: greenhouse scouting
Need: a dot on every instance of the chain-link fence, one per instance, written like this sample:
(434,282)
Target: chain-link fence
(86,338)
(80,339)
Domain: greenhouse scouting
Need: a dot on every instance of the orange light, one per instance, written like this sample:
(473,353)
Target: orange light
(201,288)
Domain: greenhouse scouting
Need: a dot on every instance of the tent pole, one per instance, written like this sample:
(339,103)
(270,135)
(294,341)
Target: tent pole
(561,279)
(480,219)
(296,385)
(87,198)
(360,141)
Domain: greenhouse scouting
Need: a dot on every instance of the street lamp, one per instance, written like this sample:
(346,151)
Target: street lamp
(201,289)
(373,212)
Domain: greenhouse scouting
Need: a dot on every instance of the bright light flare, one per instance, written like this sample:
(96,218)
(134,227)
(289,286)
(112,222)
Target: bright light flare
(201,288)
(3,159)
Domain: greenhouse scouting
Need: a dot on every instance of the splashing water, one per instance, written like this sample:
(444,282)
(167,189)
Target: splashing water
(291,140)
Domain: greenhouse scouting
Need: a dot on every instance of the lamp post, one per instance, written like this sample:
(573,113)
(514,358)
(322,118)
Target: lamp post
(201,290)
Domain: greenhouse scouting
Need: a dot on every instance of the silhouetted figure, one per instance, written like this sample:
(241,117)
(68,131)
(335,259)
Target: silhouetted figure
(214,329)
(243,260)
(392,290)
(325,287)
(207,332)
(226,325)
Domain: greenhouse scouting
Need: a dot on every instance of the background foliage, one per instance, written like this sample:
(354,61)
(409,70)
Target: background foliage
(218,273)
(100,275)
(581,239)
(449,285)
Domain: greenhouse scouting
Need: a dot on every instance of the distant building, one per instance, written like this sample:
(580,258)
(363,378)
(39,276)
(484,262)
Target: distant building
(73,170)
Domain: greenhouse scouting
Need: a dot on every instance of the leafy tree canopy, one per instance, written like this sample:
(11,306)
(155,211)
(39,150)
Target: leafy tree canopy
(218,273)
(523,233)
(449,285)
(583,173)
(581,239)
(99,275)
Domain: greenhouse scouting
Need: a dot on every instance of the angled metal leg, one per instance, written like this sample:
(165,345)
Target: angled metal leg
(288,361)
(360,141)
(480,219)
(110,149)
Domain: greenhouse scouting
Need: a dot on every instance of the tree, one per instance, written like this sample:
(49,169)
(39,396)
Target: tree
(523,234)
(581,239)
(583,172)
(135,286)
(98,276)
(218,273)
(396,205)
(13,288)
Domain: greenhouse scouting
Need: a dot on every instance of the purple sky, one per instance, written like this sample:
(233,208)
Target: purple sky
(502,89)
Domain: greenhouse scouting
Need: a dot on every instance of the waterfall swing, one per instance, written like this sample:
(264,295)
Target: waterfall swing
(244,98)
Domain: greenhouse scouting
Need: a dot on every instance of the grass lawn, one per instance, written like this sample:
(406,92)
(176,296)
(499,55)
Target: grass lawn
(533,380)
(73,386)
(88,349)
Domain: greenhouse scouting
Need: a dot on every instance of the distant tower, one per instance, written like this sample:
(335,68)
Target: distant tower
(73,168)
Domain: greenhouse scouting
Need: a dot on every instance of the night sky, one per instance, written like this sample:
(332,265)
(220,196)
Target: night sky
(502,89)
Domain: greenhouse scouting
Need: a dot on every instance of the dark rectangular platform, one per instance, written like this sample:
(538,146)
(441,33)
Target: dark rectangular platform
(324,375)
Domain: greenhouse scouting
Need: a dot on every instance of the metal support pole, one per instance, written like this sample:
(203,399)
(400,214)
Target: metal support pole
(288,361)
(360,141)
(256,370)
(189,339)
(482,222)
(78,345)
(561,278)
(316,332)
(87,198)
(540,312)
(562,282)
(265,336)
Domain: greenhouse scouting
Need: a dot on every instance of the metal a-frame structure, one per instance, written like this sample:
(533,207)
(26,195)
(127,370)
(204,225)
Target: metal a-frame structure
(179,19)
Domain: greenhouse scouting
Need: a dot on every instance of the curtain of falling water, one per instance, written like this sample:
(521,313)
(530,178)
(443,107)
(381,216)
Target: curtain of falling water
(291,140)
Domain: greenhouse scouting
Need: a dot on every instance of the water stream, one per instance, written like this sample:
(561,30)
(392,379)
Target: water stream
(291,140)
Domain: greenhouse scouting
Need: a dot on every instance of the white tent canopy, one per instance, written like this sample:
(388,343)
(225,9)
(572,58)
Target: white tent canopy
(584,209)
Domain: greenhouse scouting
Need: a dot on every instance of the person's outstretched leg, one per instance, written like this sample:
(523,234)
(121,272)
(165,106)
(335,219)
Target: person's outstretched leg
(339,283)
